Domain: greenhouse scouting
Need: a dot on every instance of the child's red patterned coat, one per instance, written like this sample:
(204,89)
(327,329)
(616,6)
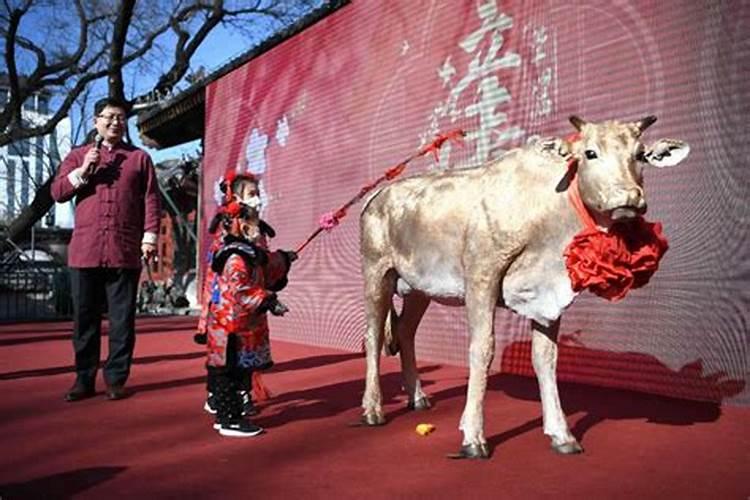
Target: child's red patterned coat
(275,274)
(241,293)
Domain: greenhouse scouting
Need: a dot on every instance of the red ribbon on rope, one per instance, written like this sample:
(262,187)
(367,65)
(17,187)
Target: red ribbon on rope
(329,220)
(454,135)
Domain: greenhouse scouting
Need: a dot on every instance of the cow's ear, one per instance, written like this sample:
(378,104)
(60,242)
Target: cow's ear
(645,123)
(564,183)
(577,122)
(667,152)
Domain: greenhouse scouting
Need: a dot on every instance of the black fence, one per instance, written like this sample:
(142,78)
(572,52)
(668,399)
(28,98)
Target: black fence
(35,291)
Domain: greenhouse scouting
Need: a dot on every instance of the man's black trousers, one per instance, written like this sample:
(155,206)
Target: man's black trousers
(95,290)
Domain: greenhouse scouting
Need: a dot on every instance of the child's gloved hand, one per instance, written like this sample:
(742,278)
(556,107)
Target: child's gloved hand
(274,306)
(278,308)
(291,255)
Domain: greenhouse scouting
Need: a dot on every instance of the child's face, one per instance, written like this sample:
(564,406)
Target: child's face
(249,194)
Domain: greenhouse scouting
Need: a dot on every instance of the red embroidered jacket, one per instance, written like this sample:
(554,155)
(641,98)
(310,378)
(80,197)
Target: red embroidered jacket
(239,294)
(274,273)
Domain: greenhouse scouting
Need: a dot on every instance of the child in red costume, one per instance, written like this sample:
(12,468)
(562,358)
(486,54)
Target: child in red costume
(242,188)
(236,324)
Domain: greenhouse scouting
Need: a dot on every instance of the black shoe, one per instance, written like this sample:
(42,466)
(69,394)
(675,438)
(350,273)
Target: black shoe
(242,428)
(210,404)
(248,408)
(115,392)
(79,392)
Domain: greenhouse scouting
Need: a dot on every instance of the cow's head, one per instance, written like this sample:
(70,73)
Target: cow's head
(611,158)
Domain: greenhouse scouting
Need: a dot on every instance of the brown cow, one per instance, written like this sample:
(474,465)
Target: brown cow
(495,236)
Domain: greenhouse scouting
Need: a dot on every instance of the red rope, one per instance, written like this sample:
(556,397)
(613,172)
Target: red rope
(574,194)
(330,220)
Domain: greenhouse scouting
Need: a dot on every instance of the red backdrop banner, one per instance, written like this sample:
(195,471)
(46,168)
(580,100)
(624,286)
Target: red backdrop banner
(331,109)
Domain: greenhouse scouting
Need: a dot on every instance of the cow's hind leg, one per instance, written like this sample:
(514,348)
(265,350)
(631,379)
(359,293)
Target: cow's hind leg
(544,359)
(379,289)
(415,305)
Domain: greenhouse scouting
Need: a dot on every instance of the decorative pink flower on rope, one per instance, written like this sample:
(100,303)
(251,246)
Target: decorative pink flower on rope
(329,220)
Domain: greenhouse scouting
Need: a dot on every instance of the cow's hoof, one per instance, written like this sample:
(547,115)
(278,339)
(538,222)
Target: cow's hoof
(570,448)
(392,348)
(373,419)
(472,451)
(420,404)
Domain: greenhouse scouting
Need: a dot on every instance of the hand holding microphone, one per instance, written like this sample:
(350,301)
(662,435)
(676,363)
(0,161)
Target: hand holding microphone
(92,157)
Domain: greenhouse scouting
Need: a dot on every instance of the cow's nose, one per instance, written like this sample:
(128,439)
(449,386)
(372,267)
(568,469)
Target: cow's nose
(637,199)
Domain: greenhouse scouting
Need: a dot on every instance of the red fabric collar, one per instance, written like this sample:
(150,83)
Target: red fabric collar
(610,263)
(574,195)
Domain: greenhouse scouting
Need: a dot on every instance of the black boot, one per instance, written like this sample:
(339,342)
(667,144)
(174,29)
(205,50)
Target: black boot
(229,421)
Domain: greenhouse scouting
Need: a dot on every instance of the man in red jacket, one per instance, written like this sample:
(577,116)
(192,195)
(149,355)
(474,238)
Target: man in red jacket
(116,224)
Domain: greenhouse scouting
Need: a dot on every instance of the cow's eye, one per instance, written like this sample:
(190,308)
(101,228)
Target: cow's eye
(590,154)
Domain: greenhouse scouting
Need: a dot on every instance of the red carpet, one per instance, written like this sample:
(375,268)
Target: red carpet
(159,442)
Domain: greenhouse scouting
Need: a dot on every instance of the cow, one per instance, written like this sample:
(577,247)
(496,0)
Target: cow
(494,236)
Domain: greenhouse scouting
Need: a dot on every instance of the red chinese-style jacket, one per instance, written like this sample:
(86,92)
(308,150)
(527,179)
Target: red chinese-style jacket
(239,295)
(274,273)
(116,210)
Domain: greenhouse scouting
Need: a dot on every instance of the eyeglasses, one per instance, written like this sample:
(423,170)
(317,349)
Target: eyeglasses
(112,118)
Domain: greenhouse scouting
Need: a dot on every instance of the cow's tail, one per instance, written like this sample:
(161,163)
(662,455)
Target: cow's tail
(390,344)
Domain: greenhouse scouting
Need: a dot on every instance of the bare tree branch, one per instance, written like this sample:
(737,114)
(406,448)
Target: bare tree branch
(73,59)
(125,16)
(85,63)
(110,36)
(12,112)
(27,44)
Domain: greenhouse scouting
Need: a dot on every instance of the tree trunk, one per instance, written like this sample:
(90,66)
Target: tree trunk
(20,227)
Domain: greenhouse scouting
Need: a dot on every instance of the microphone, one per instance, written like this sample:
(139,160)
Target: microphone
(98,140)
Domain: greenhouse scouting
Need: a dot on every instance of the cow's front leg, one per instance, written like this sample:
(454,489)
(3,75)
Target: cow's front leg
(544,359)
(480,307)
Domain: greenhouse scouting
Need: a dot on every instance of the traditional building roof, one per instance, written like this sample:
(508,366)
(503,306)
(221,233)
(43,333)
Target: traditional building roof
(181,118)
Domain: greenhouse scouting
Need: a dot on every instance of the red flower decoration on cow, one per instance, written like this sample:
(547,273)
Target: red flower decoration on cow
(611,263)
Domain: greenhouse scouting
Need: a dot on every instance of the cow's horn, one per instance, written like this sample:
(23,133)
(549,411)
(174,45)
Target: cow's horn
(645,122)
(577,122)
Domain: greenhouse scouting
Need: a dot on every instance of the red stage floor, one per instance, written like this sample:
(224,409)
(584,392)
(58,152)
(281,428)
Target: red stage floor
(159,443)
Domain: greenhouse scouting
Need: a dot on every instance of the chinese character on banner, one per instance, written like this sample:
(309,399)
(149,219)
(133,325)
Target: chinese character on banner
(479,93)
(542,46)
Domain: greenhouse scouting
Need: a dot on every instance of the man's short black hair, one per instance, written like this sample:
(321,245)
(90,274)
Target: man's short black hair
(112,102)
